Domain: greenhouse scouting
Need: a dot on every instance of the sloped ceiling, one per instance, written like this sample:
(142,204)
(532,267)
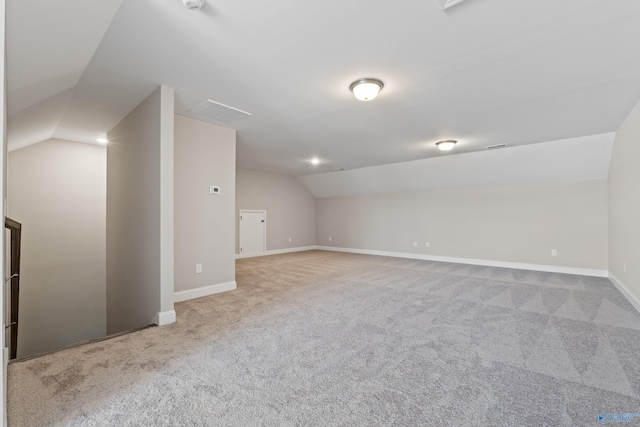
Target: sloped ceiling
(49,46)
(482,72)
(575,159)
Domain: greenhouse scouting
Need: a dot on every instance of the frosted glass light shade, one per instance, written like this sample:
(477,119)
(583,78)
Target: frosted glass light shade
(366,89)
(446,145)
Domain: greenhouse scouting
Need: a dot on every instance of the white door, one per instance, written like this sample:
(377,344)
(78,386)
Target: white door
(253,228)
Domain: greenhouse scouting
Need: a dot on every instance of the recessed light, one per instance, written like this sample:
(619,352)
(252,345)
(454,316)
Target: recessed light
(315,161)
(366,89)
(446,145)
(102,140)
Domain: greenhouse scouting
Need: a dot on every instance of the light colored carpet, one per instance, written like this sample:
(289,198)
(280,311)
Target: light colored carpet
(328,339)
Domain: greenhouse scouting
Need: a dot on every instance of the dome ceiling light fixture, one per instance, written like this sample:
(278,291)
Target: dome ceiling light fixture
(446,145)
(366,89)
(193,4)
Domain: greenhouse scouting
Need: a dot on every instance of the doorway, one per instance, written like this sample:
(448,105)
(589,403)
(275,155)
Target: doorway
(252,232)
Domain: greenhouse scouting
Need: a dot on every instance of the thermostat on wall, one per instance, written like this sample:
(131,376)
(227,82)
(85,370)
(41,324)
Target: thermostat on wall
(214,190)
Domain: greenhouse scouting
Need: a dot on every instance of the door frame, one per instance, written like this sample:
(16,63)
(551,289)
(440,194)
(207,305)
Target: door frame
(264,229)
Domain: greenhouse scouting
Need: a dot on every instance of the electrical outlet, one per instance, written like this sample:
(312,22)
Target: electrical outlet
(554,252)
(426,245)
(198,268)
(289,239)
(415,244)
(624,267)
(329,238)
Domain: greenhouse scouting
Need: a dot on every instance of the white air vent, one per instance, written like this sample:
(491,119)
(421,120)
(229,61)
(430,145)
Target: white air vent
(215,112)
(496,146)
(448,3)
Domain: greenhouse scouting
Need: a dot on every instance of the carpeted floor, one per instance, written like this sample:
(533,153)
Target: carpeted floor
(330,339)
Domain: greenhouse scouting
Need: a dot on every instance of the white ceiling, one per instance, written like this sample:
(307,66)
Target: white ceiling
(482,72)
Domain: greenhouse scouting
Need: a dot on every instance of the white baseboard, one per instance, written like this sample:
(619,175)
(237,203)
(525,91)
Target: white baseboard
(487,263)
(277,252)
(625,291)
(204,291)
(165,318)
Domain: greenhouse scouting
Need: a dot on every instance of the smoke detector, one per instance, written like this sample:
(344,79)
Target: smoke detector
(193,4)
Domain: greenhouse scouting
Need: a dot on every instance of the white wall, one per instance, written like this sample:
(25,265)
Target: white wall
(3,157)
(140,216)
(519,224)
(624,206)
(57,191)
(289,205)
(205,155)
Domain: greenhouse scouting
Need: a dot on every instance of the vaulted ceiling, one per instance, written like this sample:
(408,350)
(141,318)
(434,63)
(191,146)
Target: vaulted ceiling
(482,72)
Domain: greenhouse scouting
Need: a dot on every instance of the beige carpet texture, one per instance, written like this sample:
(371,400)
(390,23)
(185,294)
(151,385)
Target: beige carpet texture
(333,339)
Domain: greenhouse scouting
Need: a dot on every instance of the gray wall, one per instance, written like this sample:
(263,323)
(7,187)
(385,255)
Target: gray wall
(510,224)
(57,190)
(140,214)
(289,205)
(624,204)
(205,155)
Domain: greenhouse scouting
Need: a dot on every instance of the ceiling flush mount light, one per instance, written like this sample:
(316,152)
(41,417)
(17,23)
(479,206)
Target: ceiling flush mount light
(102,140)
(315,161)
(193,4)
(366,89)
(446,145)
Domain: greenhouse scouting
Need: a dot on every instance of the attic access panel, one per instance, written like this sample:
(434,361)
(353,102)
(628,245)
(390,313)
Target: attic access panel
(217,113)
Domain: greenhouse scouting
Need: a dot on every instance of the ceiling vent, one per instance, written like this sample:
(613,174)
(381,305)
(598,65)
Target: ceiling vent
(448,3)
(496,146)
(218,113)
